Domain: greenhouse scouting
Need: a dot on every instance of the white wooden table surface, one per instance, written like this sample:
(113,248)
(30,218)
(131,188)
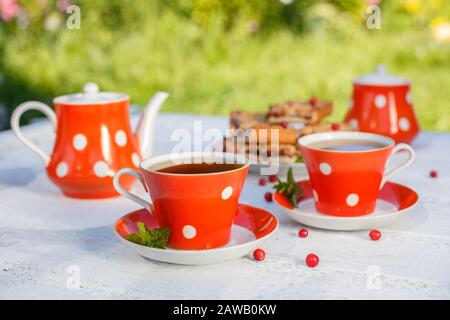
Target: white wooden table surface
(45,238)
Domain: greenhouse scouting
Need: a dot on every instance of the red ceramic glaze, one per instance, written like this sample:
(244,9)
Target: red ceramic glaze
(258,221)
(196,202)
(198,208)
(382,107)
(347,183)
(93,141)
(400,196)
(355,178)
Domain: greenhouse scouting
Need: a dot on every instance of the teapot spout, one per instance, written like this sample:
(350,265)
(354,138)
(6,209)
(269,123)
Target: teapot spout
(146,126)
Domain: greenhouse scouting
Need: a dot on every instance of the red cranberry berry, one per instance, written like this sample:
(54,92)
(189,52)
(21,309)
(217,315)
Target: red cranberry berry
(335,126)
(262,182)
(375,235)
(259,254)
(313,101)
(433,174)
(268,196)
(312,260)
(303,233)
(273,178)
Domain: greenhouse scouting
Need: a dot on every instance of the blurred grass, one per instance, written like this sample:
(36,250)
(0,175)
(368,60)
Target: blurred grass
(210,71)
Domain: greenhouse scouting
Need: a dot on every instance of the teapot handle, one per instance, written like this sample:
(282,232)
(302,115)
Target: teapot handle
(15,126)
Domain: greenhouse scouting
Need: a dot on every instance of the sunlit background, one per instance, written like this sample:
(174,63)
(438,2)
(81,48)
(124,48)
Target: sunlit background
(215,55)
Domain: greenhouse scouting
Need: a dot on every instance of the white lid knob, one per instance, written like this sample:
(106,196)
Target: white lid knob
(91,88)
(381,69)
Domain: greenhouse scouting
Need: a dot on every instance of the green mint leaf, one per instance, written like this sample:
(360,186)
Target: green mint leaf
(134,238)
(142,229)
(154,238)
(289,188)
(158,238)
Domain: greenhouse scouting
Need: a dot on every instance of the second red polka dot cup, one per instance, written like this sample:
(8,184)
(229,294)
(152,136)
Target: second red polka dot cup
(198,208)
(348,169)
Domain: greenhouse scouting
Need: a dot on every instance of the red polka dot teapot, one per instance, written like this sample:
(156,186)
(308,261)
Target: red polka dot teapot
(93,139)
(382,104)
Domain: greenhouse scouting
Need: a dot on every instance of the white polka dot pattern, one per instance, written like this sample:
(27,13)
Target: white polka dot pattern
(409,97)
(101,169)
(121,138)
(403,124)
(352,199)
(62,169)
(354,124)
(380,101)
(189,232)
(325,168)
(79,141)
(227,192)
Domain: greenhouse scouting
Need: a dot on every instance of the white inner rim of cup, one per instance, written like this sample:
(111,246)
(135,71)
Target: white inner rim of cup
(163,161)
(306,141)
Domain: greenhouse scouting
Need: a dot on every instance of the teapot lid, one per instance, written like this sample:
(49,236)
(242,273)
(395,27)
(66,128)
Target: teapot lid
(91,95)
(380,78)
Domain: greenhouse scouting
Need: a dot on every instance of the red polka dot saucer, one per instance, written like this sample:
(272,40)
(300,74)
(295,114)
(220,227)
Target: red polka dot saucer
(251,228)
(394,201)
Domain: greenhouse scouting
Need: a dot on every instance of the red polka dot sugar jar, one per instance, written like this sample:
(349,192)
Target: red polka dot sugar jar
(93,139)
(383,104)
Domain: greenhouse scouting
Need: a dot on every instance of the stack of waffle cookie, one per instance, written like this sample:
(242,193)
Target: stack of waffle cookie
(291,119)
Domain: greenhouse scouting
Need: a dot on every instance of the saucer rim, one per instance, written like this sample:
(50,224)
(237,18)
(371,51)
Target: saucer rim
(202,251)
(370,216)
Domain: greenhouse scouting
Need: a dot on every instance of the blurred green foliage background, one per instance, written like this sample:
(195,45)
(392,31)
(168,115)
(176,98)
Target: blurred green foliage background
(217,55)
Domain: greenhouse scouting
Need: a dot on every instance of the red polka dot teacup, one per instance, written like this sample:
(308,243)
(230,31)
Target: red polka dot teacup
(347,169)
(199,208)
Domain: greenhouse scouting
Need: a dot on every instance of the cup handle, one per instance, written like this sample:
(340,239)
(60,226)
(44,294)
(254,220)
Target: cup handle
(116,183)
(15,126)
(397,148)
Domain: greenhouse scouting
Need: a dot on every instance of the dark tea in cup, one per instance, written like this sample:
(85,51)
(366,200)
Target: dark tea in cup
(348,145)
(200,168)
